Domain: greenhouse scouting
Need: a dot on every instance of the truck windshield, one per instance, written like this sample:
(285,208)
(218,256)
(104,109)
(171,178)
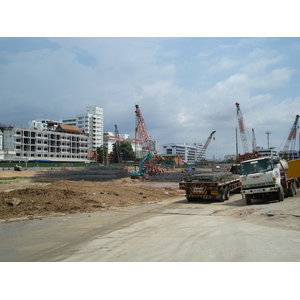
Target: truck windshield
(257,166)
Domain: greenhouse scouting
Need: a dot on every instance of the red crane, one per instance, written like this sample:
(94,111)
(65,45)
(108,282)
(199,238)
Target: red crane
(201,155)
(242,128)
(141,130)
(291,138)
(247,154)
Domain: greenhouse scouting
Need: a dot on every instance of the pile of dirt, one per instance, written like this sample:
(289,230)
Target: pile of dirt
(65,197)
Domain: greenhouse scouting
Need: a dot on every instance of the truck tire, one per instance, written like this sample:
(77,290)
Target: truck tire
(280,194)
(222,195)
(191,199)
(248,199)
(291,190)
(226,193)
(295,188)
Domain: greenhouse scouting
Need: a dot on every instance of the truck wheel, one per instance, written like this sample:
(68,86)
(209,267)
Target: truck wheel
(295,188)
(248,199)
(280,194)
(291,190)
(190,199)
(226,193)
(222,196)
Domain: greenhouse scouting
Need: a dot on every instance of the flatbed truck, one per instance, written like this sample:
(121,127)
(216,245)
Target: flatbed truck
(212,185)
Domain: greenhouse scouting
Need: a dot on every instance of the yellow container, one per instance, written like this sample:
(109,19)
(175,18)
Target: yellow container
(294,169)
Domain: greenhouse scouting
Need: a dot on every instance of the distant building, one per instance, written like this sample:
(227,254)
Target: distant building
(109,139)
(92,124)
(42,124)
(230,157)
(265,151)
(64,144)
(290,154)
(190,154)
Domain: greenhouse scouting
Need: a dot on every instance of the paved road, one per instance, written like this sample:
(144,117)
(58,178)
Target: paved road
(175,231)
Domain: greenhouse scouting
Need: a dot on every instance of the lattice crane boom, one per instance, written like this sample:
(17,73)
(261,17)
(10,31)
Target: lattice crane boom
(206,145)
(141,130)
(292,135)
(242,128)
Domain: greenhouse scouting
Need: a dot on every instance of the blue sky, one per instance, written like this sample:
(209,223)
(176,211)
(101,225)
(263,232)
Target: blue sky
(185,65)
(185,87)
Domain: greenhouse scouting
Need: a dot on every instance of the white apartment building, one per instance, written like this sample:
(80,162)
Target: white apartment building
(189,154)
(92,124)
(109,139)
(42,124)
(64,144)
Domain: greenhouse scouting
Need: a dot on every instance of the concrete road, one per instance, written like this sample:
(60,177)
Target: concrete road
(171,231)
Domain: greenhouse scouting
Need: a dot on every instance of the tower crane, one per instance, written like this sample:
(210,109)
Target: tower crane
(201,154)
(291,140)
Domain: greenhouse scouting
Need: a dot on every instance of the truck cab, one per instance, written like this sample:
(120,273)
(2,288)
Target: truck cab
(265,178)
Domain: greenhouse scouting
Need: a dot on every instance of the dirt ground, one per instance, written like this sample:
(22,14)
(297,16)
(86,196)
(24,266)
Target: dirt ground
(23,198)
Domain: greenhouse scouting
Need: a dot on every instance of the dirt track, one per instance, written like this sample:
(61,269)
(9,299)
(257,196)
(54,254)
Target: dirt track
(22,197)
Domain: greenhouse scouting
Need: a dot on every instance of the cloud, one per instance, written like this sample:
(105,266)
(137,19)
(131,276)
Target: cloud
(186,88)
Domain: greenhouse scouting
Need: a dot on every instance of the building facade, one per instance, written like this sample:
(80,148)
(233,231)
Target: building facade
(190,154)
(92,124)
(64,144)
(109,139)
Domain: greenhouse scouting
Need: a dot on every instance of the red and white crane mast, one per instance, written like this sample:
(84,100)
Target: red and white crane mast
(242,128)
(292,137)
(141,130)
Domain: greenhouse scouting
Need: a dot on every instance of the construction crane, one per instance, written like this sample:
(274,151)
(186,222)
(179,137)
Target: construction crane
(291,140)
(247,154)
(142,134)
(202,152)
(242,128)
(118,145)
(141,131)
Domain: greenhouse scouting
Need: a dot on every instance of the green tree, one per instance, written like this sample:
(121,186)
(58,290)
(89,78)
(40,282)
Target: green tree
(126,151)
(102,154)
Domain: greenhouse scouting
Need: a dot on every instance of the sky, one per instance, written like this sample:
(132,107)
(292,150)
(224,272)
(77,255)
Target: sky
(186,87)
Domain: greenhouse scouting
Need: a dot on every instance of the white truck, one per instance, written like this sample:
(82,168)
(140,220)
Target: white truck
(265,178)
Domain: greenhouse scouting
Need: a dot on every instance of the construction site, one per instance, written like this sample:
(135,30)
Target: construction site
(38,192)
(146,212)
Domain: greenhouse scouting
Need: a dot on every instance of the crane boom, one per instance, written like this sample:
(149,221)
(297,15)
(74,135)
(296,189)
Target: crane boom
(141,130)
(242,128)
(292,136)
(206,145)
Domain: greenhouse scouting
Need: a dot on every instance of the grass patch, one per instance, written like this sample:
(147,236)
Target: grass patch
(13,178)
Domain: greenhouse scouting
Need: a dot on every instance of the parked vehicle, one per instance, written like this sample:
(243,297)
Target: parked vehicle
(213,185)
(266,178)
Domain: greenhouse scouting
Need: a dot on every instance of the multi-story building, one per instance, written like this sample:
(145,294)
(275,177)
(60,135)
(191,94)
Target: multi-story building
(155,146)
(63,144)
(42,124)
(109,139)
(188,153)
(92,124)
